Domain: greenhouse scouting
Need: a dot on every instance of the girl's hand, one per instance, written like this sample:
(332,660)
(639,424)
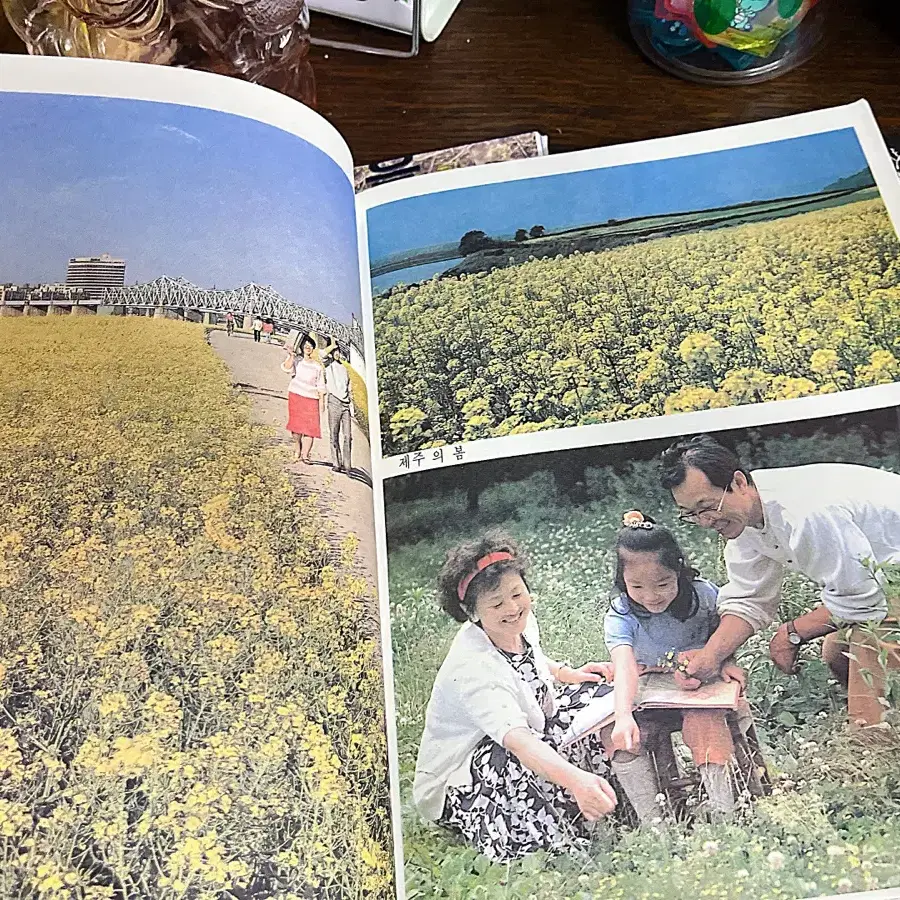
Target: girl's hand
(593,672)
(594,796)
(626,735)
(731,672)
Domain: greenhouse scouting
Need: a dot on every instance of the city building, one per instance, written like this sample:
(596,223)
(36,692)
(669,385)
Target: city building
(94,273)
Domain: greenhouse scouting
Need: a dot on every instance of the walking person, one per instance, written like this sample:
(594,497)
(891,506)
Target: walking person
(306,397)
(268,329)
(337,381)
(229,323)
(257,328)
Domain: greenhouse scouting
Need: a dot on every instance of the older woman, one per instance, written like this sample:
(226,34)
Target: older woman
(306,397)
(490,766)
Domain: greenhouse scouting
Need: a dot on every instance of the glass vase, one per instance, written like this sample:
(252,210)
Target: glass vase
(264,41)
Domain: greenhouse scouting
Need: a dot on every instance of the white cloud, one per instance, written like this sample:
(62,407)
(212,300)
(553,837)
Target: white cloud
(172,129)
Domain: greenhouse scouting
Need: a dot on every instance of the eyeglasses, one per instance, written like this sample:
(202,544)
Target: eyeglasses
(693,517)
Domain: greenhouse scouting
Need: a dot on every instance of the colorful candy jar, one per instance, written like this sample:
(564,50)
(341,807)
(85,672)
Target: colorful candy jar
(728,41)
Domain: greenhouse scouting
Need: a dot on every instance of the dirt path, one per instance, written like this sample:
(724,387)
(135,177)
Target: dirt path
(344,501)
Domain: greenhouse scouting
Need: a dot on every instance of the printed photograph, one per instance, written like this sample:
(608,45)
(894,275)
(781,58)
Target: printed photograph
(666,668)
(191,691)
(757,273)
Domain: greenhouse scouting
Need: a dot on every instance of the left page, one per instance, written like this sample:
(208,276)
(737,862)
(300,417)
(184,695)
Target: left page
(191,699)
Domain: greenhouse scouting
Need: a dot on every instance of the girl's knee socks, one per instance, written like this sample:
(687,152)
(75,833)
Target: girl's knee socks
(716,782)
(637,775)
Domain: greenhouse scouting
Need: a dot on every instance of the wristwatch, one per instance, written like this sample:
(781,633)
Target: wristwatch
(793,636)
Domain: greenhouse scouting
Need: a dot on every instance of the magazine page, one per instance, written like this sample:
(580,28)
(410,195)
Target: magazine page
(893,142)
(191,698)
(515,146)
(641,404)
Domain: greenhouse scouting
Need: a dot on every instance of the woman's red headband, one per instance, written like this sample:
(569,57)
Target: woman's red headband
(480,566)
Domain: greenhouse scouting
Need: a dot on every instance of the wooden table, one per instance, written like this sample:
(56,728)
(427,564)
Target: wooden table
(571,70)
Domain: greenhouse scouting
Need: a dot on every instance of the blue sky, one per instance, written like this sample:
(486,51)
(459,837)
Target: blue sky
(760,172)
(174,190)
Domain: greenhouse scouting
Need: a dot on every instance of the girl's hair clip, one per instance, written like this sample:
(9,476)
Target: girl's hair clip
(635,519)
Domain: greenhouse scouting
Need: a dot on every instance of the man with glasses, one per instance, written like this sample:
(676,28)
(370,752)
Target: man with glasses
(832,522)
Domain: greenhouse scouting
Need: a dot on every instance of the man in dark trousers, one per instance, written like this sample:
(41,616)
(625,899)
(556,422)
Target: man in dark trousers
(337,382)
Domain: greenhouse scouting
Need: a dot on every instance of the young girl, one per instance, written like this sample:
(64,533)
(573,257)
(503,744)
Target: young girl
(662,606)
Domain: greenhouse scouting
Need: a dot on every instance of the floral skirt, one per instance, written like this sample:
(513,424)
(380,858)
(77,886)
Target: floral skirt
(509,811)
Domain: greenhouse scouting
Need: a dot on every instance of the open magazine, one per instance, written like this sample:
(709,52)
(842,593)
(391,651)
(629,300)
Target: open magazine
(656,690)
(247,419)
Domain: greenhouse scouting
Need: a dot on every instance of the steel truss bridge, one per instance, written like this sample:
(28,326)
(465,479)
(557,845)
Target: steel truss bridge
(167,293)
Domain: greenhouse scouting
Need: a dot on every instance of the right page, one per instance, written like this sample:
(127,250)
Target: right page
(640,406)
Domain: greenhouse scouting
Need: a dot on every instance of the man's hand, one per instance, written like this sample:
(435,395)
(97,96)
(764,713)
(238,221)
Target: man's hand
(626,735)
(699,666)
(731,672)
(594,796)
(783,653)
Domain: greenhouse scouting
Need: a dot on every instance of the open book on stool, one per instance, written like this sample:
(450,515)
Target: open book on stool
(656,690)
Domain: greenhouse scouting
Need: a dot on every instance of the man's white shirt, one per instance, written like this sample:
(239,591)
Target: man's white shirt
(830,521)
(337,381)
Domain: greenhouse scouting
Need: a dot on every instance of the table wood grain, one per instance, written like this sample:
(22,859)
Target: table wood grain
(572,71)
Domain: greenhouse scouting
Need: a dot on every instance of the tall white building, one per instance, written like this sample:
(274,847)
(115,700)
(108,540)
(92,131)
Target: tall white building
(93,273)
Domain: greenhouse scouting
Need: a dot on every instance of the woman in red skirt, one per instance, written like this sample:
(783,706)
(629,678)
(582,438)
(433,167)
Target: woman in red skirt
(306,397)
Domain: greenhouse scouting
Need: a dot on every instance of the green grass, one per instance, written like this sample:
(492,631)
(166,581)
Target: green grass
(833,822)
(360,399)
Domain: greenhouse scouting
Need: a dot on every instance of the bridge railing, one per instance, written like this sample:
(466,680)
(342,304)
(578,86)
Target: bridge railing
(249,300)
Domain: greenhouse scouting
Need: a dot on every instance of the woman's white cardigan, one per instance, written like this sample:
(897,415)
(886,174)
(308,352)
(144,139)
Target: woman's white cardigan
(476,693)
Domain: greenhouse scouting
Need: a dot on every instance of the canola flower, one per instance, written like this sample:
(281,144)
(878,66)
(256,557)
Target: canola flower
(802,305)
(188,689)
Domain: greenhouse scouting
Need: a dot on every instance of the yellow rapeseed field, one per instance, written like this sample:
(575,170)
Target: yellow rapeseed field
(187,690)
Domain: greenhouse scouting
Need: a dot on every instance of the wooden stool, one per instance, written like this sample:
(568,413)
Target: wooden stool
(678,783)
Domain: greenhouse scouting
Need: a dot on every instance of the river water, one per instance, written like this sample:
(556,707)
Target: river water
(412,274)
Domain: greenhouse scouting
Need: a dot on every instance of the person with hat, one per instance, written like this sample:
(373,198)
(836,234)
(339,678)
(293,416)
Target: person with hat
(337,382)
(491,764)
(306,396)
